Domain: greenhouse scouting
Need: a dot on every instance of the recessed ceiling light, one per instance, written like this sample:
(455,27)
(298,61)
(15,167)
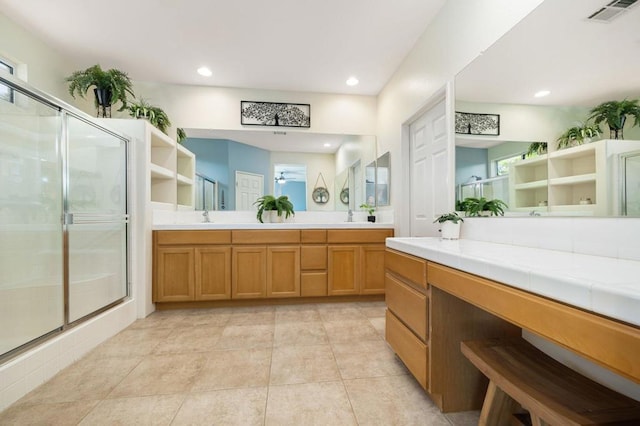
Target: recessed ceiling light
(352,81)
(327,145)
(542,93)
(205,72)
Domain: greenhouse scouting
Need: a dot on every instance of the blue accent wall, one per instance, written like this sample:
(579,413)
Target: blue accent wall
(219,159)
(296,191)
(471,161)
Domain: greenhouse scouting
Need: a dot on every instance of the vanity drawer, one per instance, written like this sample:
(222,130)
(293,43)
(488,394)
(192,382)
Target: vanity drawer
(192,237)
(410,267)
(267,236)
(358,236)
(313,284)
(407,304)
(408,347)
(313,236)
(313,257)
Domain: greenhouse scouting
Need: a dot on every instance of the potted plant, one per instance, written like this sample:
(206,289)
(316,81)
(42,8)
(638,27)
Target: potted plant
(537,148)
(450,225)
(110,87)
(277,206)
(483,207)
(156,116)
(578,135)
(614,113)
(370,209)
(180,134)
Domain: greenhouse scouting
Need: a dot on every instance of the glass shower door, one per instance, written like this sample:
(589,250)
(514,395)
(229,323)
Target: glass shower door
(96,218)
(31,251)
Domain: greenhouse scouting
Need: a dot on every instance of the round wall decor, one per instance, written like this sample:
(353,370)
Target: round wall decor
(320,194)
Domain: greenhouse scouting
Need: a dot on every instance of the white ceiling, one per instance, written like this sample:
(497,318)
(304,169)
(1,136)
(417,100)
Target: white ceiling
(282,45)
(556,48)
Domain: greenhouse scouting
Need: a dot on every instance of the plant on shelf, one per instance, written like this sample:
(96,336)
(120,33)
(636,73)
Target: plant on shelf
(537,148)
(180,134)
(280,205)
(614,114)
(480,206)
(110,87)
(450,225)
(577,135)
(156,116)
(370,209)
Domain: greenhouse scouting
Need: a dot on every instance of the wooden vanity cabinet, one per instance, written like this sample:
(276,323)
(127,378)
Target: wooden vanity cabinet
(265,263)
(356,261)
(313,262)
(191,265)
(424,327)
(210,265)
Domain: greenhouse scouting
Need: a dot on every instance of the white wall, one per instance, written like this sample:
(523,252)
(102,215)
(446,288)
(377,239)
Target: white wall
(316,163)
(206,107)
(458,34)
(45,68)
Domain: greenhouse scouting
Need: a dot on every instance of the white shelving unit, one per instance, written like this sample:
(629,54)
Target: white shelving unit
(170,167)
(581,180)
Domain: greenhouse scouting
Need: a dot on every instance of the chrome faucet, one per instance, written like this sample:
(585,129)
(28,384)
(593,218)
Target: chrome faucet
(206,217)
(350,216)
(534,213)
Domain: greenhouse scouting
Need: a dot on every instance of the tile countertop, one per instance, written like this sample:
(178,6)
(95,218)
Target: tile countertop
(604,285)
(256,225)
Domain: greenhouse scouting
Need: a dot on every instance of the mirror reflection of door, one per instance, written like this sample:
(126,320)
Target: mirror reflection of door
(631,182)
(291,180)
(249,187)
(383,179)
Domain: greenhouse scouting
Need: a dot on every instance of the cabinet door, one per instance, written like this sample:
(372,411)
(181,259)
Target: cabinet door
(213,273)
(372,273)
(344,270)
(283,271)
(175,274)
(249,276)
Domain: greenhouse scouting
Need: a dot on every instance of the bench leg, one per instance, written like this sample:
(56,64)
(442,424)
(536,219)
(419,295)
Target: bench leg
(497,407)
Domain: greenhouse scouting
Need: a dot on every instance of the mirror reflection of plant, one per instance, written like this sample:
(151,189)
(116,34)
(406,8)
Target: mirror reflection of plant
(615,113)
(449,217)
(578,135)
(156,116)
(476,206)
(369,208)
(270,203)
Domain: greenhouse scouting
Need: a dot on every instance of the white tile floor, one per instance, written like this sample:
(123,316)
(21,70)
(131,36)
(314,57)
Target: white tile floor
(323,364)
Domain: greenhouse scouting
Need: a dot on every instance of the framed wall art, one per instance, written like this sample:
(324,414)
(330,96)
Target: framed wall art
(470,123)
(275,114)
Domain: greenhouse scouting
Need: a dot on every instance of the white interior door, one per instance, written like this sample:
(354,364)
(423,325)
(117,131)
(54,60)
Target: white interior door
(429,154)
(249,187)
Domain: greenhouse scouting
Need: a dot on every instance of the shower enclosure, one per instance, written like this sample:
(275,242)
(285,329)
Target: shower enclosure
(63,217)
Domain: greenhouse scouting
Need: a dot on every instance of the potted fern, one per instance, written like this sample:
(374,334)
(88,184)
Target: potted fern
(450,225)
(577,135)
(537,148)
(615,113)
(275,207)
(156,116)
(109,87)
(483,207)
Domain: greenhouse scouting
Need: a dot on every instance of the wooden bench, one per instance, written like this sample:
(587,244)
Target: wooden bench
(551,392)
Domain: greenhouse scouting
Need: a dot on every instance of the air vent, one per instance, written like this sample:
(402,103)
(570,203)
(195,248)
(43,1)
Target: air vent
(612,10)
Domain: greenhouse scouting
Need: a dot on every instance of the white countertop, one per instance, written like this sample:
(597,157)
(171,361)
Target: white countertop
(604,285)
(256,225)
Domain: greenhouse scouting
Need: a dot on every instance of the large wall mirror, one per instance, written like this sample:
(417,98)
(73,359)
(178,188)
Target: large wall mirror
(282,162)
(582,62)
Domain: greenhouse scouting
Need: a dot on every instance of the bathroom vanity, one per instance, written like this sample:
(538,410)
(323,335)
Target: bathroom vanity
(440,293)
(210,264)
